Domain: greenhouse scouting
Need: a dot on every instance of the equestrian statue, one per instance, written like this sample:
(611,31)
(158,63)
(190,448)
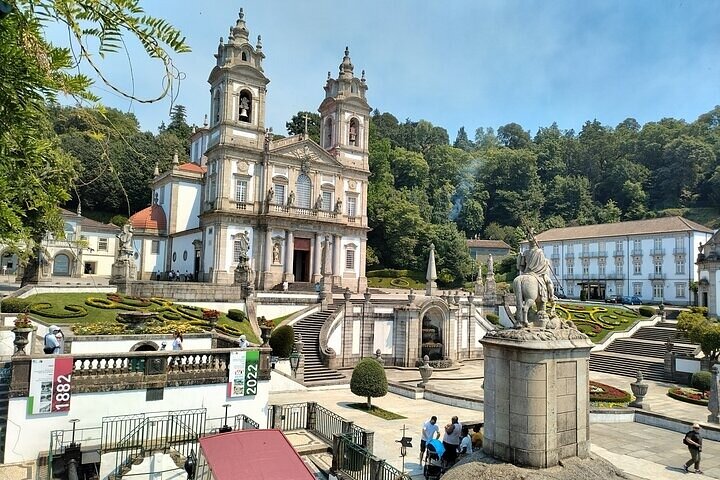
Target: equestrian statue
(533,286)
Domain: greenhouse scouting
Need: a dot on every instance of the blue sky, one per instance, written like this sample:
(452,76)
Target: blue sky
(455,62)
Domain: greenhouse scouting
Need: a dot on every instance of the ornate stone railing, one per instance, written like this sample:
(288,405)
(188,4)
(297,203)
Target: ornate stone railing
(327,354)
(139,370)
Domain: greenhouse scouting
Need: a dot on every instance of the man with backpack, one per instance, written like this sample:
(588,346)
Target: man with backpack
(53,345)
(694,443)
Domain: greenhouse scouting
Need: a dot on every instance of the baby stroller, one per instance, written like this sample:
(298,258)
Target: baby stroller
(433,467)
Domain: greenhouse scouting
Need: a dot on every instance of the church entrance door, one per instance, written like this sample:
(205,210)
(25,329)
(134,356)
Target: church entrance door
(301,260)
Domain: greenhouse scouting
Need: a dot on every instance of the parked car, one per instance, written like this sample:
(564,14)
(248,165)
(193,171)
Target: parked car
(634,300)
(614,299)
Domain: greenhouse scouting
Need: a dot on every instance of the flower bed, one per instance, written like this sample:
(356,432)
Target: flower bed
(600,392)
(689,395)
(596,321)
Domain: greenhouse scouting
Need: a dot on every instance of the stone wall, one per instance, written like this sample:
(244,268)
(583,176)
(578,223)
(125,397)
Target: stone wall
(188,291)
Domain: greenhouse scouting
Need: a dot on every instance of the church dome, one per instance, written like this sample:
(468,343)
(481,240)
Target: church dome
(150,218)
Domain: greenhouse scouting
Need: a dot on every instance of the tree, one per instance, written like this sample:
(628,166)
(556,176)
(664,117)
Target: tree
(513,136)
(296,125)
(462,141)
(703,331)
(369,380)
(34,173)
(409,169)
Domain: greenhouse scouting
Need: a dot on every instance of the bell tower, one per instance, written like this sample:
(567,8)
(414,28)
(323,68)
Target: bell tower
(238,88)
(345,116)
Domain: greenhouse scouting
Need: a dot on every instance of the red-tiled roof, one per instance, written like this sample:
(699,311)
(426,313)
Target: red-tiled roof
(477,243)
(253,455)
(635,227)
(192,167)
(88,224)
(150,218)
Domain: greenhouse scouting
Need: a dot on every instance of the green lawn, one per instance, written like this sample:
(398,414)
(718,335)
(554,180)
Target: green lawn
(399,282)
(97,308)
(597,321)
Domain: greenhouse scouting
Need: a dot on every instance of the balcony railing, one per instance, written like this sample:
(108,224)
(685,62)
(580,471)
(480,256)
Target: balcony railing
(248,207)
(657,252)
(679,251)
(569,255)
(636,252)
(656,276)
(618,253)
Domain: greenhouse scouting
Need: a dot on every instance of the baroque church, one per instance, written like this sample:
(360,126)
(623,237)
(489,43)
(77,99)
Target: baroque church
(289,209)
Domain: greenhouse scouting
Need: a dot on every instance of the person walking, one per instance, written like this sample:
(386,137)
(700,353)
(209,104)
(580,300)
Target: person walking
(693,440)
(430,431)
(53,341)
(451,441)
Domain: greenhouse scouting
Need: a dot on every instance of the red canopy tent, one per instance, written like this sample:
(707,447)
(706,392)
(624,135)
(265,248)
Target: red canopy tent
(250,455)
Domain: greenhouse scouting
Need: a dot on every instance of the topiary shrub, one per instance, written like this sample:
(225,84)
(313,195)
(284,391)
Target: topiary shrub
(369,380)
(583,295)
(14,305)
(282,341)
(646,311)
(700,310)
(237,315)
(492,318)
(701,381)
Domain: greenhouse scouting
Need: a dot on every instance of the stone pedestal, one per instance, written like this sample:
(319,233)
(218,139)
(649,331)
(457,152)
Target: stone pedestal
(536,395)
(123,271)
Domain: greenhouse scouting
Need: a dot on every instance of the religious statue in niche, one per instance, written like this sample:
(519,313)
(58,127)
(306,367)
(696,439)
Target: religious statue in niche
(291,199)
(338,206)
(318,203)
(276,253)
(353,133)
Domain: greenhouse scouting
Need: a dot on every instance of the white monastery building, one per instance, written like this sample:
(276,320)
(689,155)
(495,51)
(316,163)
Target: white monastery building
(280,202)
(652,259)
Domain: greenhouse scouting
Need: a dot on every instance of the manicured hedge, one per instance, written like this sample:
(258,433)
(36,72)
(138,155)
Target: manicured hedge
(701,381)
(369,379)
(282,341)
(237,315)
(74,311)
(646,311)
(14,305)
(492,318)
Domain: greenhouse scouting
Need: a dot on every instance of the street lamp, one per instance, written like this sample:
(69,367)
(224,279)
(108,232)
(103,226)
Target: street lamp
(294,362)
(73,421)
(405,443)
(225,428)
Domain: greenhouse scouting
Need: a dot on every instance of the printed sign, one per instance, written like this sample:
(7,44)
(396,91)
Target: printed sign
(243,373)
(50,385)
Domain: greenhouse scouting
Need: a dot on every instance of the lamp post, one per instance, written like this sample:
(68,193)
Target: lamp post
(405,443)
(294,362)
(73,421)
(226,428)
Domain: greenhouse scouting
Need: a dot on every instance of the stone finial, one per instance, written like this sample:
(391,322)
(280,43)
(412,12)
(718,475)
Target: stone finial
(156,172)
(367,295)
(411,296)
(258,45)
(176,160)
(79,208)
(431,276)
(241,15)
(329,76)
(362,76)
(378,357)
(205,121)
(425,371)
(639,389)
(639,376)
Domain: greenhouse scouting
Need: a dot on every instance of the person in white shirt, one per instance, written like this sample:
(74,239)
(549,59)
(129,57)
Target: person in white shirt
(465,442)
(53,341)
(242,342)
(430,431)
(451,440)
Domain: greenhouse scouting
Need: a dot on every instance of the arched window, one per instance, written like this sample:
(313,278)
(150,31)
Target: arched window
(304,191)
(61,265)
(244,56)
(353,132)
(216,107)
(245,109)
(328,133)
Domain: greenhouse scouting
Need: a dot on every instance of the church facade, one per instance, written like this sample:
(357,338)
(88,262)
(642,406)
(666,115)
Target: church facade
(294,209)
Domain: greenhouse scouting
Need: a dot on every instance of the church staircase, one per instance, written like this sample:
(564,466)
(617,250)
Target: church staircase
(316,373)
(644,350)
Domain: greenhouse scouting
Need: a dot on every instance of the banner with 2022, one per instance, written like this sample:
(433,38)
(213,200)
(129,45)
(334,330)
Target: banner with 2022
(50,385)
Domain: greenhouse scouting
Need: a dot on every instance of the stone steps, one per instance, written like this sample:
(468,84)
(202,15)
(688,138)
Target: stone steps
(660,334)
(645,348)
(316,373)
(626,365)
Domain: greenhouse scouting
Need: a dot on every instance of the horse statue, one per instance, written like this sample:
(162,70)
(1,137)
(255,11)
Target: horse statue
(533,287)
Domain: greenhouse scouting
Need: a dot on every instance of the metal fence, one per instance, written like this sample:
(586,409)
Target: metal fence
(357,463)
(289,417)
(326,424)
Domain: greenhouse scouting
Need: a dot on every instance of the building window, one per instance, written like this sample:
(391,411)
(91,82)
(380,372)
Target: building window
(350,259)
(601,249)
(216,107)
(351,206)
(637,288)
(245,108)
(637,268)
(601,269)
(174,256)
(212,190)
(585,268)
(353,132)
(241,190)
(556,264)
(619,262)
(658,290)
(585,247)
(570,269)
(618,287)
(102,244)
(279,193)
(327,200)
(184,255)
(680,266)
(679,243)
(304,191)
(618,247)
(328,133)
(658,267)
(680,290)
(556,249)
(657,243)
(155,247)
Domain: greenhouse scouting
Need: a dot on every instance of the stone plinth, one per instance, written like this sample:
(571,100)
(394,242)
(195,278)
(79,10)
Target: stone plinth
(536,395)
(123,271)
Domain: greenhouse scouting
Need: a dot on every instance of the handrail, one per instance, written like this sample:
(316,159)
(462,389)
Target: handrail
(327,354)
(300,314)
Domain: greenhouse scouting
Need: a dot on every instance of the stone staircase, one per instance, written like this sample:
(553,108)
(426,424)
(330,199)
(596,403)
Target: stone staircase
(316,373)
(644,350)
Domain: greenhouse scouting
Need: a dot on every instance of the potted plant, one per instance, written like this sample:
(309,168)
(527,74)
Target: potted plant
(211,316)
(22,328)
(266,328)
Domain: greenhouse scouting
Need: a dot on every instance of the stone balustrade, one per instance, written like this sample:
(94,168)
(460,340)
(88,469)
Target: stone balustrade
(140,370)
